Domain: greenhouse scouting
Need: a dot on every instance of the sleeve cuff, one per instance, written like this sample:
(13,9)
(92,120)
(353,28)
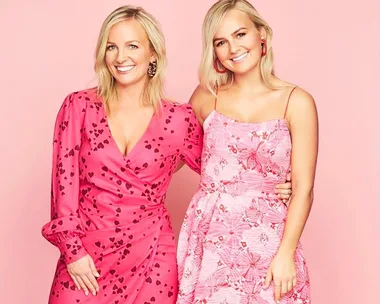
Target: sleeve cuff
(72,249)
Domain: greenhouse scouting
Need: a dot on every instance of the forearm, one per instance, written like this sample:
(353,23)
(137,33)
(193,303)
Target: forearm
(298,213)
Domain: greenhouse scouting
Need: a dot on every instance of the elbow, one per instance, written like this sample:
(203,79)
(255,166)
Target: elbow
(304,194)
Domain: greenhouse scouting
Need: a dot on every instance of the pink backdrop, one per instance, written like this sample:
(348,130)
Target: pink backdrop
(330,48)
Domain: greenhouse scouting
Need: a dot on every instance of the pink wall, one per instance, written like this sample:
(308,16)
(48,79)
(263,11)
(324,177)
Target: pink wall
(328,47)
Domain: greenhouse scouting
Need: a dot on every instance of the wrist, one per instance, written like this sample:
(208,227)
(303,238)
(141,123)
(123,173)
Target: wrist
(72,249)
(286,251)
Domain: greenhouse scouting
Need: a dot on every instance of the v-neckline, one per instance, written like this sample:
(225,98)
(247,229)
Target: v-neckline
(127,155)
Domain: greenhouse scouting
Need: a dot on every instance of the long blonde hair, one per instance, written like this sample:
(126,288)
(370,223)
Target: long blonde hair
(154,90)
(209,78)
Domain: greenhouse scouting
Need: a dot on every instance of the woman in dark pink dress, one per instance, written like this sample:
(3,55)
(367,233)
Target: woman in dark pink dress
(116,148)
(114,157)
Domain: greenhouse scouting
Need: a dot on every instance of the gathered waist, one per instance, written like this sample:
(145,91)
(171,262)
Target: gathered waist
(239,191)
(128,238)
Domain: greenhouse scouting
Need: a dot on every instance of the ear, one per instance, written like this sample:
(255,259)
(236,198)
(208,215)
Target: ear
(153,57)
(263,33)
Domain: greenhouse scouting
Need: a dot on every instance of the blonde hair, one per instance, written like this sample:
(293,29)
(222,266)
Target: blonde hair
(209,78)
(154,90)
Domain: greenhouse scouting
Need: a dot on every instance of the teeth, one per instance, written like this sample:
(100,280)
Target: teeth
(240,57)
(125,68)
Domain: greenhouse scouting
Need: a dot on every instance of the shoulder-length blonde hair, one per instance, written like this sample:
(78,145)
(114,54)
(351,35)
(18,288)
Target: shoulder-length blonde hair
(154,90)
(209,78)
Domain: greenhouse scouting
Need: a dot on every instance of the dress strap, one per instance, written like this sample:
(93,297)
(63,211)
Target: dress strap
(216,97)
(287,103)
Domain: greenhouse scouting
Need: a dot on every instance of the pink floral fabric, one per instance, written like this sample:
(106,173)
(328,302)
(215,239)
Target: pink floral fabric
(234,224)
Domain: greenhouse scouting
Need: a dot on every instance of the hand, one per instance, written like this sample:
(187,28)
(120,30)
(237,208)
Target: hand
(84,274)
(284,191)
(282,271)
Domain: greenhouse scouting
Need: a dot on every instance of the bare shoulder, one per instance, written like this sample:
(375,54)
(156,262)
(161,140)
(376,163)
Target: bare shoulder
(202,102)
(302,111)
(200,96)
(301,102)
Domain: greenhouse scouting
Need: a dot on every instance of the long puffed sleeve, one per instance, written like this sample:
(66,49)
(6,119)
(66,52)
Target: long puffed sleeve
(65,230)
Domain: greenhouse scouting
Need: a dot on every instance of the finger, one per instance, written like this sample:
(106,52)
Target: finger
(294,282)
(284,288)
(94,283)
(277,292)
(284,186)
(89,286)
(82,285)
(75,281)
(283,196)
(268,279)
(289,176)
(284,201)
(93,269)
(286,192)
(86,279)
(290,285)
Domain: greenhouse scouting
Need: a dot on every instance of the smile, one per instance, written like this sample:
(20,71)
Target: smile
(125,68)
(239,58)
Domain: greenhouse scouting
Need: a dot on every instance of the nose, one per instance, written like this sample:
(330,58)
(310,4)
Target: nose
(234,48)
(122,55)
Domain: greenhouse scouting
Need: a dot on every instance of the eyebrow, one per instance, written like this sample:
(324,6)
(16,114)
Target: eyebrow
(241,28)
(127,42)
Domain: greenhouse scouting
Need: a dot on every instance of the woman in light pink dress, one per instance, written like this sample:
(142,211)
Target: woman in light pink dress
(239,243)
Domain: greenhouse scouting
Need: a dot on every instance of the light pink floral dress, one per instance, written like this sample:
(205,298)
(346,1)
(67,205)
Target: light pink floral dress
(234,224)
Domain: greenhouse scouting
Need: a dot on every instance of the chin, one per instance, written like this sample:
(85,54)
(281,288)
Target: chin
(242,71)
(126,82)
(245,69)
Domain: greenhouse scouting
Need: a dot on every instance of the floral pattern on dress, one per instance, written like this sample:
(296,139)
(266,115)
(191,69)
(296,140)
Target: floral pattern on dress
(234,224)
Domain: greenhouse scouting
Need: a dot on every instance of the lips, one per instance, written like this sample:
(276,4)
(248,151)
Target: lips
(240,57)
(126,68)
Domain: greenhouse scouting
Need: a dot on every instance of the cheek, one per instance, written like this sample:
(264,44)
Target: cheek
(255,44)
(109,58)
(221,53)
(144,58)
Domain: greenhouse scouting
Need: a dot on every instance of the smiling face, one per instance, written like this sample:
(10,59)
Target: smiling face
(128,53)
(237,42)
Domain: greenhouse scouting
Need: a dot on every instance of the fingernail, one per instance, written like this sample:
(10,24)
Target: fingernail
(94,293)
(86,293)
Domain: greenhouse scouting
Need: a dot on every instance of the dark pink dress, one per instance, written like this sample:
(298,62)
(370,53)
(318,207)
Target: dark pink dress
(112,206)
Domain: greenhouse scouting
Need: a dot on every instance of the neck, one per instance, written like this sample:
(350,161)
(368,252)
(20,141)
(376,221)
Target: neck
(250,82)
(130,96)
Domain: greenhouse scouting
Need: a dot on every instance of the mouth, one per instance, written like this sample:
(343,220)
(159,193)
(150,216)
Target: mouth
(124,69)
(240,57)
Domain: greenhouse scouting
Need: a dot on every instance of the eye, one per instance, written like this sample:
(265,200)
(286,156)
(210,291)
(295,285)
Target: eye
(133,46)
(220,43)
(240,35)
(111,47)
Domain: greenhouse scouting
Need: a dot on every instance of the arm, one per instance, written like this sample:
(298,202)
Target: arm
(193,141)
(195,103)
(65,230)
(303,122)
